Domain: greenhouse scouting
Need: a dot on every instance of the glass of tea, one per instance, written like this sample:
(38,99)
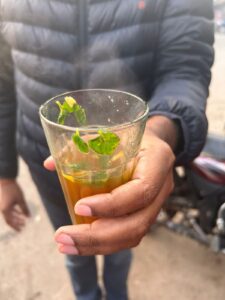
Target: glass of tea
(94,137)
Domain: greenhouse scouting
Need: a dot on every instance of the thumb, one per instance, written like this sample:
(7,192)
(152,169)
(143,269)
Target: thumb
(49,164)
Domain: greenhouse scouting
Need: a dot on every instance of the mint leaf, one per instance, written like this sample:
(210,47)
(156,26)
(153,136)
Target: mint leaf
(70,102)
(83,165)
(104,161)
(99,177)
(61,118)
(63,113)
(70,106)
(81,144)
(105,144)
(80,115)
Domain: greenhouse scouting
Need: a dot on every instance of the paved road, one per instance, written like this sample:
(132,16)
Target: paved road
(165,267)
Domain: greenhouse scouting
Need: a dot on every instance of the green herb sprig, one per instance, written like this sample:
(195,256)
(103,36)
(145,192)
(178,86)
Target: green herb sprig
(80,143)
(104,144)
(68,107)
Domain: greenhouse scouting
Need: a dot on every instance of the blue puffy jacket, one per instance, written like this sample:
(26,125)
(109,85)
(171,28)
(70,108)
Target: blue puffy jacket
(158,49)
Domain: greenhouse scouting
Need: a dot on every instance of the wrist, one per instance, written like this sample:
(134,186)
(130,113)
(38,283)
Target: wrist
(165,129)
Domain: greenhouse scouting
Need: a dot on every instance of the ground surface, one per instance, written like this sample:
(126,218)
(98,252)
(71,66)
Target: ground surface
(165,266)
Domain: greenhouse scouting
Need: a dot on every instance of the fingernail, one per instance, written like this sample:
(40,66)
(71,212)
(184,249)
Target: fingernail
(83,210)
(64,239)
(65,249)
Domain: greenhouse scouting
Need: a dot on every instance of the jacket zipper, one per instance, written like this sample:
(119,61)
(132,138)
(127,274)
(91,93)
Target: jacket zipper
(83,40)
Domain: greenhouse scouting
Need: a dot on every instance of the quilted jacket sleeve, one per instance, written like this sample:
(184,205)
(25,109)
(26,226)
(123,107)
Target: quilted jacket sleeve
(184,58)
(8,156)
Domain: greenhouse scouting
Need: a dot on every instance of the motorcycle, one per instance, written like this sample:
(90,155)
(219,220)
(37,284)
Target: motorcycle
(196,208)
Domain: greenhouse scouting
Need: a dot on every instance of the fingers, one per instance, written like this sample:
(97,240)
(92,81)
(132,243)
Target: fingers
(16,224)
(105,236)
(15,219)
(20,204)
(153,167)
(24,208)
(13,206)
(49,164)
(70,250)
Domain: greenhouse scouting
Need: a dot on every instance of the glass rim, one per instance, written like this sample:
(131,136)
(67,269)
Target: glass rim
(95,128)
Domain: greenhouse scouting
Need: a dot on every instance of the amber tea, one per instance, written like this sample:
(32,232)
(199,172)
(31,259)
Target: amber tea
(78,184)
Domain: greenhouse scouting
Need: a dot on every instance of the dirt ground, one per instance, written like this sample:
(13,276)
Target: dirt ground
(165,266)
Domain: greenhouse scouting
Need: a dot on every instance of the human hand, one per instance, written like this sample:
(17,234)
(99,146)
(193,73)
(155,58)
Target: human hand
(125,214)
(12,204)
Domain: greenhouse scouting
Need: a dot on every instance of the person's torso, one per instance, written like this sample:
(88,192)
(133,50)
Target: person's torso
(61,45)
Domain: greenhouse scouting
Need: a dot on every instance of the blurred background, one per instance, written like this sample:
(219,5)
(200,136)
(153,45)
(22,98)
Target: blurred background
(166,265)
(219,16)
(216,102)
